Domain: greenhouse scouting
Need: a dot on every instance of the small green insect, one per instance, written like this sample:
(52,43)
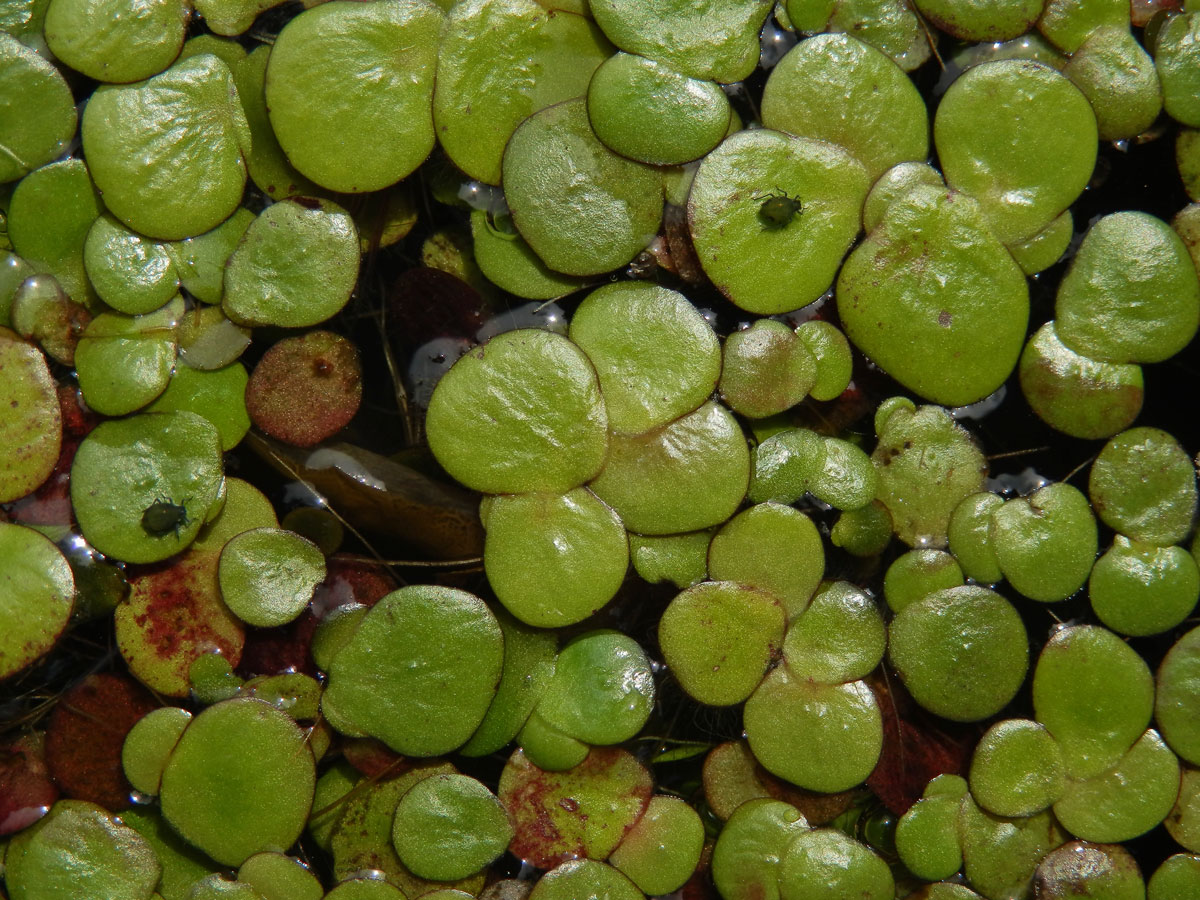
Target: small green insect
(162,517)
(778,209)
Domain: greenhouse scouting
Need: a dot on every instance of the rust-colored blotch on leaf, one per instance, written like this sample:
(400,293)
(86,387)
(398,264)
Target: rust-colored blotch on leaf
(305,389)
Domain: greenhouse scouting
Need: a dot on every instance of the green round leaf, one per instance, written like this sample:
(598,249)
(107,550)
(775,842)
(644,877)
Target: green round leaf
(927,837)
(1017,769)
(1178,878)
(709,39)
(30,418)
(1131,294)
(167,152)
(369,68)
(927,465)
(655,355)
(49,216)
(125,466)
(892,185)
(37,596)
(1020,139)
(239,781)
(38,120)
(1094,694)
(1000,854)
(767,369)
(602,690)
(149,744)
(772,215)
(131,273)
(1175,59)
(507,261)
(835,88)
(826,863)
(831,350)
(918,573)
(280,877)
(499,62)
(1067,23)
(584,878)
(982,20)
(771,547)
(216,394)
(79,850)
(647,111)
(969,534)
(750,848)
(1178,691)
(684,476)
(296,265)
(1077,395)
(448,827)
(1143,485)
(420,671)
(717,639)
(1183,823)
(839,638)
(529,657)
(124,362)
(582,208)
(268,575)
(1046,247)
(1139,589)
(1046,544)
(954,343)
(1126,801)
(1119,79)
(201,260)
(477,417)
(133,43)
(663,849)
(822,737)
(961,652)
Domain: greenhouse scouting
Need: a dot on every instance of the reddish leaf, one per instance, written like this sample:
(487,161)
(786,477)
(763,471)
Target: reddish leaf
(373,758)
(86,732)
(26,791)
(916,747)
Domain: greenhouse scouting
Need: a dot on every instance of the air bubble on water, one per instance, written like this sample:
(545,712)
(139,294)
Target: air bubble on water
(773,44)
(1021,484)
(328,458)
(709,316)
(486,197)
(807,312)
(429,363)
(367,874)
(137,798)
(547,316)
(297,493)
(981,408)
